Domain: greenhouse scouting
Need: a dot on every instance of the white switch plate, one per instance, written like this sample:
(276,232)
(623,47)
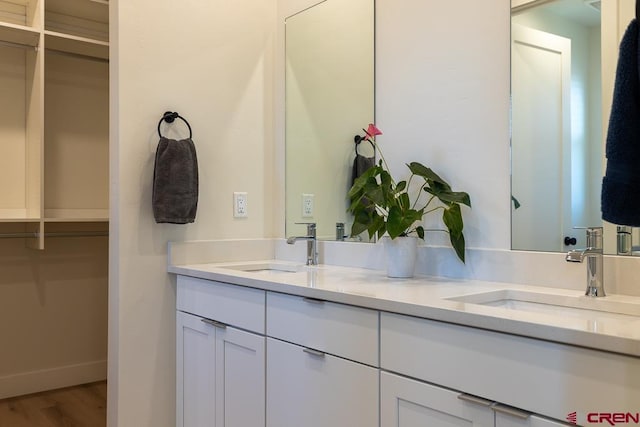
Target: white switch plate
(240,208)
(307,205)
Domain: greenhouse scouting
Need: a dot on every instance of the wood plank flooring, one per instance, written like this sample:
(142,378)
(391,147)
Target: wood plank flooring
(80,406)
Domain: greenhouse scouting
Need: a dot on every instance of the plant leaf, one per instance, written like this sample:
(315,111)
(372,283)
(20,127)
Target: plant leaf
(404,202)
(428,174)
(420,231)
(516,203)
(455,197)
(452,218)
(395,226)
(458,245)
(401,186)
(362,180)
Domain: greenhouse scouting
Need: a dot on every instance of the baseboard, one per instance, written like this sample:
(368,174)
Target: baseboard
(49,379)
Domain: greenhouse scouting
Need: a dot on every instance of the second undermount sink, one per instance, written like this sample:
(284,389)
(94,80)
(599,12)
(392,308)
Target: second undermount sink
(574,306)
(266,267)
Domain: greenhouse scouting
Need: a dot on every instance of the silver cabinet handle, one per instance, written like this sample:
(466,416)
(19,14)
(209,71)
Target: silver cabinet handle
(313,352)
(475,399)
(508,410)
(313,300)
(215,324)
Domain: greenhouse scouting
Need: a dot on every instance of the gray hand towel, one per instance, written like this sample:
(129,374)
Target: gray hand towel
(360,165)
(175,182)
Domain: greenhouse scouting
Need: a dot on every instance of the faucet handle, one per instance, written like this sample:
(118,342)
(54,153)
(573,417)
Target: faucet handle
(594,236)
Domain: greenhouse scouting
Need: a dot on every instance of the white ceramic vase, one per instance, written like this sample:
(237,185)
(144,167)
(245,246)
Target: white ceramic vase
(401,254)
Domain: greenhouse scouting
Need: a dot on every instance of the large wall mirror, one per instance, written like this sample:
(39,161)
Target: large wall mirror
(561,72)
(329,99)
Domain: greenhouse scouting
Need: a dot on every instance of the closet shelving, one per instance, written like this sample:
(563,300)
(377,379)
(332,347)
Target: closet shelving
(54,115)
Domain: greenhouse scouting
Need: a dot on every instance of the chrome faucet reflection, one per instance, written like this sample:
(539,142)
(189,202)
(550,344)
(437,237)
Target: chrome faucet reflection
(593,254)
(312,251)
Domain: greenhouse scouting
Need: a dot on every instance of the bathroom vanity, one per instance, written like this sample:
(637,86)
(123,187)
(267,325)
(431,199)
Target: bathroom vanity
(275,343)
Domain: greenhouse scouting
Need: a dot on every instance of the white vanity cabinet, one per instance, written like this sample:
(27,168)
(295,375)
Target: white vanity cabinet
(250,357)
(321,363)
(546,381)
(220,367)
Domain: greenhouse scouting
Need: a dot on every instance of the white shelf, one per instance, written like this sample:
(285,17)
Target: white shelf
(76,45)
(19,34)
(54,104)
(7,217)
(76,215)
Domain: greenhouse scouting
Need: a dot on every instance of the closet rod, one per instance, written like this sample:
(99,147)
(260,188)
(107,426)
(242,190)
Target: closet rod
(77,55)
(35,235)
(17,45)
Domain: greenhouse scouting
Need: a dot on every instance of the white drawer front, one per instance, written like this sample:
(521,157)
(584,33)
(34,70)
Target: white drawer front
(538,376)
(307,390)
(342,330)
(234,305)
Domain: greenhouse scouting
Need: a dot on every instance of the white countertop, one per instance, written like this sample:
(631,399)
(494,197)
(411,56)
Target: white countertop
(426,297)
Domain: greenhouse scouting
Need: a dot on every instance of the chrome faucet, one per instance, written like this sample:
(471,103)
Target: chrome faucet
(312,251)
(593,253)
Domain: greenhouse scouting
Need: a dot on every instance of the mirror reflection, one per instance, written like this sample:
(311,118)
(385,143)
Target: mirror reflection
(329,99)
(557,123)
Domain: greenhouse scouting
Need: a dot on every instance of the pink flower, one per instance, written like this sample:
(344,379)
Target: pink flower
(372,131)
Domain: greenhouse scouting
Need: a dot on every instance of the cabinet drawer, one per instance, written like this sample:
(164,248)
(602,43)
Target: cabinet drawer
(538,376)
(342,330)
(230,304)
(311,390)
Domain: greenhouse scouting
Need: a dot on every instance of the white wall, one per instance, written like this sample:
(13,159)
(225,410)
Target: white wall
(213,63)
(442,98)
(53,312)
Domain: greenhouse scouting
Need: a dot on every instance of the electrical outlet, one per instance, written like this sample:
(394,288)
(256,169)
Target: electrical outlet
(240,208)
(307,205)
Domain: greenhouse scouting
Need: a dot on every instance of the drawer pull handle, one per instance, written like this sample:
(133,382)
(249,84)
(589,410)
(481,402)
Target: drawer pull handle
(313,352)
(313,300)
(510,411)
(474,399)
(215,324)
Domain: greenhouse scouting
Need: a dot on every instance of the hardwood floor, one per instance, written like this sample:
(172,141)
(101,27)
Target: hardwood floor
(80,406)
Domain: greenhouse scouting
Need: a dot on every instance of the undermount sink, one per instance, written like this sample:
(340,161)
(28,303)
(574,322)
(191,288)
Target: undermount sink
(575,306)
(266,267)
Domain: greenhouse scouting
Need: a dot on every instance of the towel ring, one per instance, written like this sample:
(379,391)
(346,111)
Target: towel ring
(170,117)
(358,139)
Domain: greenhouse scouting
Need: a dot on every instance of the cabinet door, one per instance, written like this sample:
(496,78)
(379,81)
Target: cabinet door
(239,378)
(510,420)
(195,376)
(310,389)
(220,375)
(409,403)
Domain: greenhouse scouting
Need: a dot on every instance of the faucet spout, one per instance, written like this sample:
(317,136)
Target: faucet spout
(578,255)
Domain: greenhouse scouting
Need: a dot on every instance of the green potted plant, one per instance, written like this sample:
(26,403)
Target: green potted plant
(381,206)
